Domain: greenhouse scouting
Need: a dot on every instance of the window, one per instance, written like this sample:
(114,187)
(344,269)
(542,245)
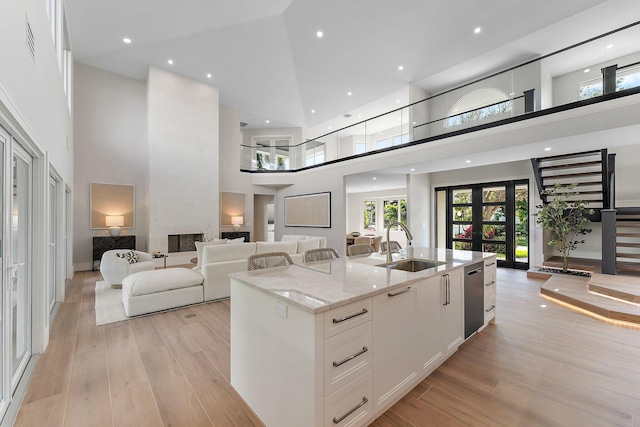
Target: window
(360,148)
(480,105)
(392,141)
(395,210)
(271,153)
(625,79)
(314,153)
(370,215)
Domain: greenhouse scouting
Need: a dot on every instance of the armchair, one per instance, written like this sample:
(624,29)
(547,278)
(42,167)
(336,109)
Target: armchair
(114,268)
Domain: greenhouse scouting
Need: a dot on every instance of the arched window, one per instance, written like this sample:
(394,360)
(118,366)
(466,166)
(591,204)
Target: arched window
(481,104)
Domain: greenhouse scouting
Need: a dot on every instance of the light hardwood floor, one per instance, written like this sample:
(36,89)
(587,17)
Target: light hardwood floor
(539,366)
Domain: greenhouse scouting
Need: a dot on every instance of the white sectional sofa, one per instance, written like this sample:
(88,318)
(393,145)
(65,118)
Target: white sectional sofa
(218,260)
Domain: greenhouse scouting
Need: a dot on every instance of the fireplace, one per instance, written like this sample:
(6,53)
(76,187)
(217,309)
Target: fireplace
(183,242)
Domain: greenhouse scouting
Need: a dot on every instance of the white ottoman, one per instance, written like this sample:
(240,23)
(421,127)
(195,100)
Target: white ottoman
(155,290)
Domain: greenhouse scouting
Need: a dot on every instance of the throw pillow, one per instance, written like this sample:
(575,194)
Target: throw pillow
(131,257)
(238,240)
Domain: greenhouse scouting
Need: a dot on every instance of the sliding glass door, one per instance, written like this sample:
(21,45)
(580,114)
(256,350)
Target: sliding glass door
(490,217)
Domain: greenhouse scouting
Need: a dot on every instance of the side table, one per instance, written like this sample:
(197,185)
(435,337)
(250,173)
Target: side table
(163,256)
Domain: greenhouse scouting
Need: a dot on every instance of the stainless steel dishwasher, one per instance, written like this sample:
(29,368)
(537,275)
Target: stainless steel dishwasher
(473,298)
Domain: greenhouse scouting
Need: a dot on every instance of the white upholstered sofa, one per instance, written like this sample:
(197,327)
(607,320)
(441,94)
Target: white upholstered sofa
(219,260)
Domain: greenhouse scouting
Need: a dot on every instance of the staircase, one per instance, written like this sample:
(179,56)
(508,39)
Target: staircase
(587,169)
(627,240)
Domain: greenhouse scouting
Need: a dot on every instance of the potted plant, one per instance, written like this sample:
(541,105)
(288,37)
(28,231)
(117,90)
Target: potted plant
(564,216)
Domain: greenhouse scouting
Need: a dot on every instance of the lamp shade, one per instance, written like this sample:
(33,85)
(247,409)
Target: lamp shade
(114,220)
(237,220)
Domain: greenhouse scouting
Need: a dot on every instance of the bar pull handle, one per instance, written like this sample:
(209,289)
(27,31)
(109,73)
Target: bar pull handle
(472,272)
(353,356)
(358,406)
(492,307)
(399,293)
(364,311)
(493,282)
(489,265)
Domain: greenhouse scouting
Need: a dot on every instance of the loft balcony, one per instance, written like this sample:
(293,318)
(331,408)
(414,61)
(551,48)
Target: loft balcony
(599,70)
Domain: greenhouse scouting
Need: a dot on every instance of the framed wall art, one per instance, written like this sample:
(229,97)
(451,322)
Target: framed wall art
(308,210)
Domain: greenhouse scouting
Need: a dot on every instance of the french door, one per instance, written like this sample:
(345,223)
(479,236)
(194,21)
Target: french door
(20,267)
(491,217)
(53,241)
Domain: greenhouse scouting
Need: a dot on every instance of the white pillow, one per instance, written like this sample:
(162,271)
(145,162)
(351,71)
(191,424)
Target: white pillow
(238,240)
(307,244)
(201,245)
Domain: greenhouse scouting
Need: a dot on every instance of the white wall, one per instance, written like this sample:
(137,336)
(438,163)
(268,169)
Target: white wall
(32,92)
(111,147)
(183,120)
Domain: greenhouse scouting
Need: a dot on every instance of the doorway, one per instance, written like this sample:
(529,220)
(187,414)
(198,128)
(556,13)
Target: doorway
(488,217)
(264,217)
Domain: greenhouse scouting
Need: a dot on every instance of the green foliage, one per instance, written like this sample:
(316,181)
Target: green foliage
(564,219)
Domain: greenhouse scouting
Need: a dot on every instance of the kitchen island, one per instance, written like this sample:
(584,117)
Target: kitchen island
(337,343)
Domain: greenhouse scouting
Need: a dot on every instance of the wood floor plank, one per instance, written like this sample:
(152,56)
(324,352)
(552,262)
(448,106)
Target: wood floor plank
(90,337)
(177,402)
(52,373)
(220,400)
(132,400)
(146,334)
(88,400)
(48,411)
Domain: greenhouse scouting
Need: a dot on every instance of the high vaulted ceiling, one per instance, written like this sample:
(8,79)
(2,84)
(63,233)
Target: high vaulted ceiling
(267,61)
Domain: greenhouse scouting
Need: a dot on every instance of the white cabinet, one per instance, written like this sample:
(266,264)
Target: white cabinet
(395,329)
(431,300)
(490,290)
(453,309)
(351,405)
(441,323)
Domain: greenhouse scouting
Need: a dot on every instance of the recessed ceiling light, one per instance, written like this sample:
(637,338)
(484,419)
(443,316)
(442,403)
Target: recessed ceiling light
(209,75)
(547,149)
(170,61)
(348,93)
(414,123)
(543,305)
(313,111)
(127,40)
(359,116)
(400,67)
(397,101)
(511,93)
(374,178)
(266,121)
(587,70)
(413,170)
(330,128)
(477,30)
(609,46)
(468,161)
(319,34)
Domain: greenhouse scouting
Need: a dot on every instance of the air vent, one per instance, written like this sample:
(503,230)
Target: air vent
(243,124)
(31,42)
(346,116)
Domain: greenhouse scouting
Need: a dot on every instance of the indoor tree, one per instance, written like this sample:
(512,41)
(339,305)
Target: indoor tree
(564,216)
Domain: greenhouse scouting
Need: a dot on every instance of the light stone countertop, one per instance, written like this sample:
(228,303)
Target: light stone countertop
(324,285)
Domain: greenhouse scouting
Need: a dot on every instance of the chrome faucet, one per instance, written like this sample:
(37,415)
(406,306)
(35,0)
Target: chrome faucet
(406,232)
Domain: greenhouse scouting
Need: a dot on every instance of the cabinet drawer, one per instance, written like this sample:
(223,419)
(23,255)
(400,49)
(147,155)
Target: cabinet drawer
(351,405)
(342,318)
(489,307)
(347,356)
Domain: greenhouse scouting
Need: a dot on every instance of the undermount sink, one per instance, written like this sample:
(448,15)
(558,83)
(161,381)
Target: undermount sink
(412,265)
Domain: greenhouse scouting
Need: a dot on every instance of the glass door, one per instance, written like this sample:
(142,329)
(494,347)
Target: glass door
(53,237)
(4,143)
(20,287)
(486,217)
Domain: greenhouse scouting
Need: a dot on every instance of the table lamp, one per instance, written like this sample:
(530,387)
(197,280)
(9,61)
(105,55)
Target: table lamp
(114,222)
(237,221)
